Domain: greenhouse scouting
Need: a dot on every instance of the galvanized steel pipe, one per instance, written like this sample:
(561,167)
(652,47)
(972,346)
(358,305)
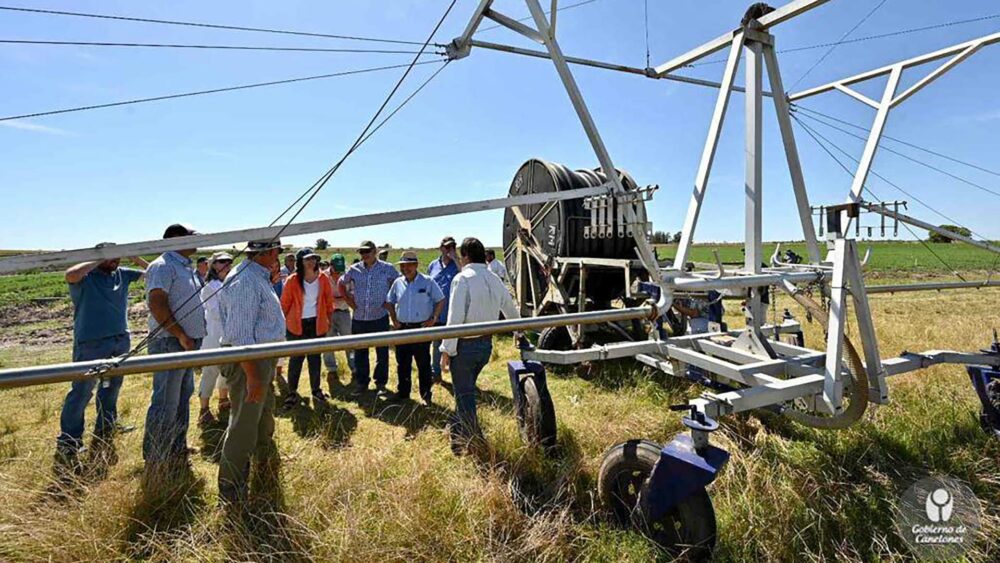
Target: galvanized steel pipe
(39,375)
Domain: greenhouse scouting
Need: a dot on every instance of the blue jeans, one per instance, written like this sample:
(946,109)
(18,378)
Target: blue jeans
(169,407)
(473,355)
(361,364)
(71,421)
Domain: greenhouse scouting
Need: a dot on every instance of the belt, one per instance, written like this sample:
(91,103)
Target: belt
(412,325)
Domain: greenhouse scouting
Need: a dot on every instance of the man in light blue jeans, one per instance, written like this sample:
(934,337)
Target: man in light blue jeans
(176,324)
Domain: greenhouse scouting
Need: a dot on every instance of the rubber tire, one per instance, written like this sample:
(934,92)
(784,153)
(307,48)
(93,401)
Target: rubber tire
(537,421)
(687,531)
(555,338)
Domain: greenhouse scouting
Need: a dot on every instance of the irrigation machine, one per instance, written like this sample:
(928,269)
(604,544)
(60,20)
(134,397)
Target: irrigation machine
(585,274)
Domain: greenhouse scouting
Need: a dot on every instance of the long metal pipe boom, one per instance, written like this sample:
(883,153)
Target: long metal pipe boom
(39,375)
(743,282)
(606,66)
(929,286)
(875,208)
(33,261)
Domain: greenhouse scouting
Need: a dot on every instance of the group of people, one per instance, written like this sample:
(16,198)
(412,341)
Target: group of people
(216,303)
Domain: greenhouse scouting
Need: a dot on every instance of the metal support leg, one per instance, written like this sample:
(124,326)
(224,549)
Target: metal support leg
(877,390)
(555,53)
(791,153)
(753,172)
(708,153)
(833,387)
(874,136)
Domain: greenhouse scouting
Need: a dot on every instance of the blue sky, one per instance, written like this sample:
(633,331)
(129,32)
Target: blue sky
(237,159)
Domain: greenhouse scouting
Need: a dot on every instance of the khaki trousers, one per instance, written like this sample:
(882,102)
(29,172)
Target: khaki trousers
(250,431)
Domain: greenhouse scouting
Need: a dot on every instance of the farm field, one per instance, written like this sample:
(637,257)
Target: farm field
(366,481)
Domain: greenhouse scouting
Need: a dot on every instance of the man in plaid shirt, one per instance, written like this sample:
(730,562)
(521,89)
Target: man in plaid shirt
(368,283)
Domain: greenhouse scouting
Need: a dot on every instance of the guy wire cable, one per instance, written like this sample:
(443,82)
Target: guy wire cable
(207,25)
(60,43)
(315,191)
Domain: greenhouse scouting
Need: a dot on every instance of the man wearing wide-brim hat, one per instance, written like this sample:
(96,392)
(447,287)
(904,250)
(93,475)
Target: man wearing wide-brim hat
(251,314)
(414,301)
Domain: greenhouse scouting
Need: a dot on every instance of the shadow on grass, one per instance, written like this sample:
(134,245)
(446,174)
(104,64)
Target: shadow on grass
(541,480)
(261,530)
(332,424)
(211,437)
(72,477)
(486,397)
(169,501)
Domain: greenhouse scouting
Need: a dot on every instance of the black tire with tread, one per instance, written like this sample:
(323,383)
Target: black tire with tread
(537,421)
(687,532)
(555,338)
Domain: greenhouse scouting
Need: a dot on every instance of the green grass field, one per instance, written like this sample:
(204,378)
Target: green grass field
(367,481)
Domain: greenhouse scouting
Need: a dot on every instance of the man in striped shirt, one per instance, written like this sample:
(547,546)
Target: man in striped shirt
(251,314)
(368,283)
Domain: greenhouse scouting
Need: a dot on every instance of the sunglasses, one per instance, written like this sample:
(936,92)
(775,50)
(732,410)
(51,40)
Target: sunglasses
(223,261)
(363,252)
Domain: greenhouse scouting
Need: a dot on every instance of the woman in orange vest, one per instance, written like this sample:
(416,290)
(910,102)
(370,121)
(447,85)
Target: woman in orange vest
(307,301)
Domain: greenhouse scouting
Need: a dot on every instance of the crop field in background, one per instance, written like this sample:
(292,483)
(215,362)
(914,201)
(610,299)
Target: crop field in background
(367,481)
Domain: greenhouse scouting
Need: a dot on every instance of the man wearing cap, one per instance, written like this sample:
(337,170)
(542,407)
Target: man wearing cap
(176,324)
(340,321)
(251,314)
(414,301)
(368,282)
(99,291)
(442,271)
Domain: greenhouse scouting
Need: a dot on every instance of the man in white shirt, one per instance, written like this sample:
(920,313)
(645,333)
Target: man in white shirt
(477,295)
(496,266)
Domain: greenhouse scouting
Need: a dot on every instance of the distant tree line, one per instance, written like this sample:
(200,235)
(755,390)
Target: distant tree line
(938,237)
(662,237)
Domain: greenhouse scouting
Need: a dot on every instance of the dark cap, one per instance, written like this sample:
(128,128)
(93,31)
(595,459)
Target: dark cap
(447,241)
(179,230)
(202,260)
(367,246)
(262,245)
(306,253)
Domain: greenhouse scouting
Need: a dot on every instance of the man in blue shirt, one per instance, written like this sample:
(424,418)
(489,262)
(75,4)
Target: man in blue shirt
(414,301)
(442,271)
(367,282)
(99,291)
(176,324)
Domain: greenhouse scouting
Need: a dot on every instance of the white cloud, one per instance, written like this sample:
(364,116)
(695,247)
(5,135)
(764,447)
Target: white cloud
(28,126)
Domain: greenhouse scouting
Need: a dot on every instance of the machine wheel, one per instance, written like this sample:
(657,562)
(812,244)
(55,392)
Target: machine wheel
(555,338)
(537,420)
(990,425)
(687,531)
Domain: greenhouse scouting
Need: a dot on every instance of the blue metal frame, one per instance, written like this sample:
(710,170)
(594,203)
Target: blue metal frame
(680,472)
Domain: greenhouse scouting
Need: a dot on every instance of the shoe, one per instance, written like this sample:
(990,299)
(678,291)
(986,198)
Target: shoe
(292,400)
(205,418)
(398,397)
(381,391)
(359,390)
(320,397)
(426,401)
